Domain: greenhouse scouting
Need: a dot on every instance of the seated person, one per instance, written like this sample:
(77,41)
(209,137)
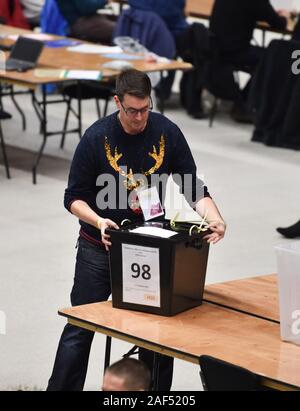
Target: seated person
(11,13)
(85,23)
(127,374)
(233,23)
(171,11)
(32,11)
(292,231)
(173,14)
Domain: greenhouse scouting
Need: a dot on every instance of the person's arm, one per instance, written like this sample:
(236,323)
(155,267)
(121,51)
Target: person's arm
(89,6)
(80,191)
(206,207)
(266,12)
(84,212)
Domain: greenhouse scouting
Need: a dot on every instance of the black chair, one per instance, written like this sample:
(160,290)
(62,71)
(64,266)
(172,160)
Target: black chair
(86,90)
(218,375)
(3,148)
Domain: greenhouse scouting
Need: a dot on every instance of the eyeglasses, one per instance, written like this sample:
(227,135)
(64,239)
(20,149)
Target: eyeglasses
(132,112)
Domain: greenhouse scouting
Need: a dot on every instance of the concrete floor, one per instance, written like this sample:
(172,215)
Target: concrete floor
(256,188)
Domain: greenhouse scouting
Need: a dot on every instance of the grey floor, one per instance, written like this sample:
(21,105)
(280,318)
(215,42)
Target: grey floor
(256,188)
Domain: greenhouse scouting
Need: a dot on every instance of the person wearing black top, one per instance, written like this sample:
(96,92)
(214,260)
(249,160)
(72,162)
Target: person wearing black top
(233,21)
(125,145)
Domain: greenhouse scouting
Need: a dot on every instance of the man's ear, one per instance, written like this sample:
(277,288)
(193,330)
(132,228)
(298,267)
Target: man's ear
(117,101)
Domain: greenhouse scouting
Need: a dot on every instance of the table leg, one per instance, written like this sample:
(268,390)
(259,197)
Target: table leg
(4,152)
(107,352)
(44,132)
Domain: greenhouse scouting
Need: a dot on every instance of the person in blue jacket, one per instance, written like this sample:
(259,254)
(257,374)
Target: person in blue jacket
(173,14)
(84,21)
(171,11)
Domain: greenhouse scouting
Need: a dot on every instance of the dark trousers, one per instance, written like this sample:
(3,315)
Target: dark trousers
(97,28)
(91,285)
(245,60)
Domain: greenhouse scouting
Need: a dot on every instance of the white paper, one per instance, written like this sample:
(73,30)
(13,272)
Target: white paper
(155,231)
(150,203)
(34,36)
(141,275)
(94,49)
(83,74)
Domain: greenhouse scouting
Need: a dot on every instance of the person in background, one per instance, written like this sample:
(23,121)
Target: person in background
(128,144)
(32,11)
(173,14)
(84,21)
(233,22)
(292,231)
(128,374)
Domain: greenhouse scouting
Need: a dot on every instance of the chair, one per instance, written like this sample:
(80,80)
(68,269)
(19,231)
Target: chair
(2,143)
(85,90)
(218,375)
(149,29)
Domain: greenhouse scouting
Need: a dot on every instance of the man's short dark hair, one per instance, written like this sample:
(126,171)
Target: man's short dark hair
(133,82)
(135,373)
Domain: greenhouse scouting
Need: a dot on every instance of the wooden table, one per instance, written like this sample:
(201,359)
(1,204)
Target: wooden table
(257,296)
(238,337)
(63,59)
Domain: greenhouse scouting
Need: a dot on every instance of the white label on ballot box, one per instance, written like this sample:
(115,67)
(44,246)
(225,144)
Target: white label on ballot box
(141,275)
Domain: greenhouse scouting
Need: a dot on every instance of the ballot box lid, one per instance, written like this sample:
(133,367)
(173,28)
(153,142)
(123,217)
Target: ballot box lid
(162,229)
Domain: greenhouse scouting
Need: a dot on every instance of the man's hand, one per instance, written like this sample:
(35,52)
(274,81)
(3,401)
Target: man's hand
(218,229)
(284,13)
(103,224)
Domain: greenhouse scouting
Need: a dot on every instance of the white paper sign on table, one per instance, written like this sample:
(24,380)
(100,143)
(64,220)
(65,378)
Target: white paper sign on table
(141,275)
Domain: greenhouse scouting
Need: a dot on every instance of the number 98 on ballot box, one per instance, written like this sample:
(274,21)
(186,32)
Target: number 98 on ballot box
(158,268)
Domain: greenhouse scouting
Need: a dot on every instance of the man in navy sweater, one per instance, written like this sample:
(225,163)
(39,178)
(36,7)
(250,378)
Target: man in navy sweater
(85,23)
(126,145)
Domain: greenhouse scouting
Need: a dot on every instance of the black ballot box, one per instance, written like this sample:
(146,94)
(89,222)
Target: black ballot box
(157,268)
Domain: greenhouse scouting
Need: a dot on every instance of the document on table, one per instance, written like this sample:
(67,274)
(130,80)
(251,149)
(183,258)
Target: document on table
(69,74)
(95,49)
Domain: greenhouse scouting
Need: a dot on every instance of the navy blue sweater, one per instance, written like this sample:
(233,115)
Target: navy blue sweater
(91,163)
